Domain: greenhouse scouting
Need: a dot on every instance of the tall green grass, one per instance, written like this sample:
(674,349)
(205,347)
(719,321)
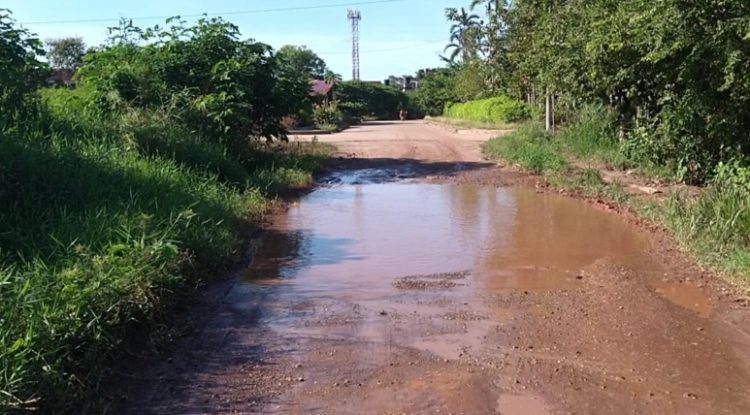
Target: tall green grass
(530,147)
(593,136)
(106,223)
(716,223)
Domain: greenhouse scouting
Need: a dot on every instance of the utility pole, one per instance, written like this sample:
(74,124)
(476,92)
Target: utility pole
(354,17)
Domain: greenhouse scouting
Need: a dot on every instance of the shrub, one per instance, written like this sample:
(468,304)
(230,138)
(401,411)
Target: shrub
(491,110)
(379,101)
(353,110)
(327,115)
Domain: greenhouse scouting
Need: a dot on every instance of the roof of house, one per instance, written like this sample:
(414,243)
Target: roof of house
(320,88)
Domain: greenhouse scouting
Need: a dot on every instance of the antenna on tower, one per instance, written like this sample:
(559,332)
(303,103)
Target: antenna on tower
(355,16)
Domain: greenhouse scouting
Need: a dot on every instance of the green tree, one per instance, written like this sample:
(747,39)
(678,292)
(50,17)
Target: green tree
(302,60)
(66,53)
(436,89)
(332,77)
(464,35)
(21,72)
(218,84)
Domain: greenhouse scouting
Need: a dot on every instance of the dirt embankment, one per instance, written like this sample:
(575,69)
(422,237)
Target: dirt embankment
(541,330)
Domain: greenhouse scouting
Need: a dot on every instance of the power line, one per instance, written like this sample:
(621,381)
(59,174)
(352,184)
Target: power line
(229,13)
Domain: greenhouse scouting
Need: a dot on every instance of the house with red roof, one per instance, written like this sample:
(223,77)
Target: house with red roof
(321,92)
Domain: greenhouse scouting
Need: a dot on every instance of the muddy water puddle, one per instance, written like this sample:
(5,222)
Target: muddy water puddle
(362,277)
(685,295)
(416,261)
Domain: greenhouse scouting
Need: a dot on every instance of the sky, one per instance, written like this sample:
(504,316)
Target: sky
(398,37)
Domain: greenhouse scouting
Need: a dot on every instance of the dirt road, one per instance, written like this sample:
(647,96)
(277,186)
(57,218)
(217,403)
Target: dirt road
(412,140)
(418,281)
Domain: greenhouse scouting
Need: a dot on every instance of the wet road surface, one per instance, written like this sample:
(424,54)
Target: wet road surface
(383,292)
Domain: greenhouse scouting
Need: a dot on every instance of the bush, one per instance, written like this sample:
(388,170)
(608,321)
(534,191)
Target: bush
(379,101)
(327,116)
(529,147)
(353,110)
(491,110)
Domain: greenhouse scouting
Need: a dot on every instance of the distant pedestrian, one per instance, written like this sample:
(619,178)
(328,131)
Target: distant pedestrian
(402,114)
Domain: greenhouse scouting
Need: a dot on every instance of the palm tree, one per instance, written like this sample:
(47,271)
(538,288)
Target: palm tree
(465,33)
(332,77)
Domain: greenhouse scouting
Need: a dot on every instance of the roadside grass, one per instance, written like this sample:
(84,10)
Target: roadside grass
(104,227)
(590,138)
(529,147)
(713,226)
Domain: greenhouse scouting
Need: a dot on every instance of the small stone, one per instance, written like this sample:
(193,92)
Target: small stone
(690,395)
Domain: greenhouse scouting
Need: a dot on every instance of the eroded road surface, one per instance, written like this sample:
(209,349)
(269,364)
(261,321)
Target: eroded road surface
(431,285)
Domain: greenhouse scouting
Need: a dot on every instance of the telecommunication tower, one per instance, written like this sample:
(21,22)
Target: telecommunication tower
(354,17)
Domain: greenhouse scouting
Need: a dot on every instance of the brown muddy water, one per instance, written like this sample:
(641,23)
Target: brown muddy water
(361,270)
(379,293)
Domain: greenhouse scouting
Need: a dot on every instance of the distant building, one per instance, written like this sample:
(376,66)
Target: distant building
(321,92)
(61,77)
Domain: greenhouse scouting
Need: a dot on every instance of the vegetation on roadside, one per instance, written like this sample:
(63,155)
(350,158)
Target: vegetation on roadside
(657,88)
(359,100)
(123,194)
(490,110)
(713,224)
(530,147)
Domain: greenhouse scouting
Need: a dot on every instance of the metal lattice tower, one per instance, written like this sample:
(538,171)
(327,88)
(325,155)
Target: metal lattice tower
(355,16)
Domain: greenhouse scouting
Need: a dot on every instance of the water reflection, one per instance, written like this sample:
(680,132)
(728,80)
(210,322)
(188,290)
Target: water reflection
(363,236)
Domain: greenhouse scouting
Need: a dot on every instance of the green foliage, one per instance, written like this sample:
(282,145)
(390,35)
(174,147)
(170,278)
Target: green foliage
(716,225)
(497,109)
(593,136)
(20,71)
(66,52)
(215,83)
(529,147)
(328,115)
(674,72)
(380,101)
(436,89)
(465,36)
(121,195)
(353,110)
(470,82)
(301,60)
